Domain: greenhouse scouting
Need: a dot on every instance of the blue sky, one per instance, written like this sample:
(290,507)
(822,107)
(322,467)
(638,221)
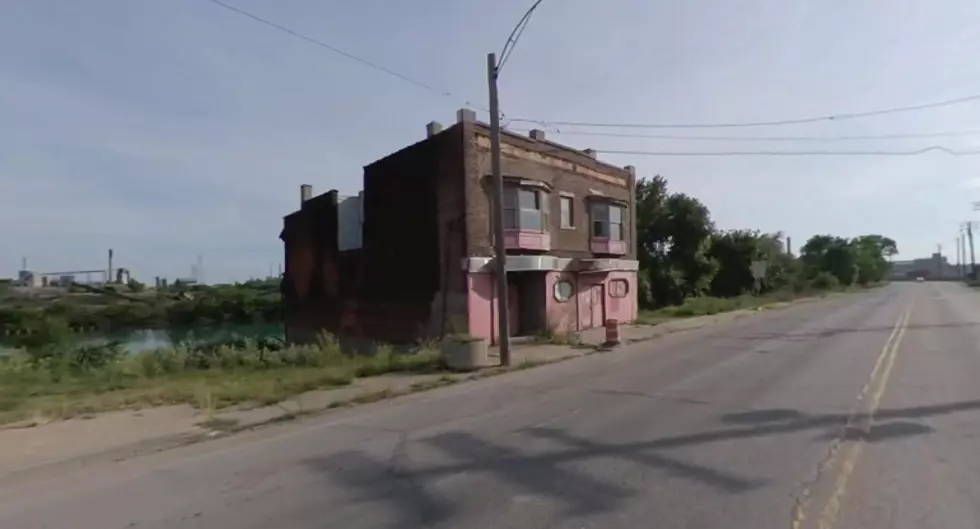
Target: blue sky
(165,129)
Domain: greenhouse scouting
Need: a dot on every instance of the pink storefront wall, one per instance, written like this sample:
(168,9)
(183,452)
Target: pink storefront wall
(575,314)
(562,315)
(623,309)
(481,307)
(592,303)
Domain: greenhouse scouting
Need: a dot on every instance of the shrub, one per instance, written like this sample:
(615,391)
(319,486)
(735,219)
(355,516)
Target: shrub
(94,357)
(825,281)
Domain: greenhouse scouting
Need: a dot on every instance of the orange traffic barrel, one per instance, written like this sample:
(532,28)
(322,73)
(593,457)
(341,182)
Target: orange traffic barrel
(612,332)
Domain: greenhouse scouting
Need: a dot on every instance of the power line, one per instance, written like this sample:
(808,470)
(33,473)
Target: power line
(951,134)
(934,148)
(343,53)
(797,121)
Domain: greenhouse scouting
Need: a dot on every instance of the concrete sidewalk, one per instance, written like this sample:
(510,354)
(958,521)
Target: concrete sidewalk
(125,433)
(639,333)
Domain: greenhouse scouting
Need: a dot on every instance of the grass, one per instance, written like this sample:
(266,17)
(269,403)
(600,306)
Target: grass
(556,337)
(57,387)
(73,382)
(705,306)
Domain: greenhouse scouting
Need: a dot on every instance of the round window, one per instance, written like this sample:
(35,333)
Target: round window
(618,288)
(564,290)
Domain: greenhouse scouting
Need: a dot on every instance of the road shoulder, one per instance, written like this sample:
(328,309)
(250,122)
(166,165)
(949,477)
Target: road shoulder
(122,434)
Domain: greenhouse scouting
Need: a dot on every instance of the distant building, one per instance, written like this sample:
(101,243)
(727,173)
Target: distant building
(27,278)
(936,266)
(412,255)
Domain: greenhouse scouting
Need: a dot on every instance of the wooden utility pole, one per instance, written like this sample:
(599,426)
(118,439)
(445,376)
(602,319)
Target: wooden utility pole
(962,243)
(959,257)
(500,249)
(973,260)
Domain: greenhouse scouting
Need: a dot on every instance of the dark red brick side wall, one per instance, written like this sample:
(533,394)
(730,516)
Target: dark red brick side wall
(386,289)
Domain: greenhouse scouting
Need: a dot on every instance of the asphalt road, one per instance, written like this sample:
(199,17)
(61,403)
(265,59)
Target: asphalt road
(857,411)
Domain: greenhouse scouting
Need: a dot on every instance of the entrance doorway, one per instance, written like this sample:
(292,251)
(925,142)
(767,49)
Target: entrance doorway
(526,291)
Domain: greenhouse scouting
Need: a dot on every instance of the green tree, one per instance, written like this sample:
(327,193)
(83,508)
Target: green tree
(673,236)
(871,256)
(733,251)
(827,253)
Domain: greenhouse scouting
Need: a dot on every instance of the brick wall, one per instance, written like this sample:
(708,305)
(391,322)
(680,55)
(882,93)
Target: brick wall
(448,308)
(310,279)
(565,170)
(426,207)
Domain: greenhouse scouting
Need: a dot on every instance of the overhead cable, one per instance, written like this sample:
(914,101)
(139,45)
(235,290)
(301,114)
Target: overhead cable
(338,51)
(746,124)
(950,134)
(925,150)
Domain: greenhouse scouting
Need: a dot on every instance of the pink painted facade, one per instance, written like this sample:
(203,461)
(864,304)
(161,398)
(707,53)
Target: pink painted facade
(607,247)
(481,306)
(527,240)
(594,298)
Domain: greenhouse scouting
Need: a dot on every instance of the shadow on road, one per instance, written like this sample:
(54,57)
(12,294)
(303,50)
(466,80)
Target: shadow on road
(550,473)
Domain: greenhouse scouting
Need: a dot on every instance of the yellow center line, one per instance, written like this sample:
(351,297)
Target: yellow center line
(885,358)
(886,361)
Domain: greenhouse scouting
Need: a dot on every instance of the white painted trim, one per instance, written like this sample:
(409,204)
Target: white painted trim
(526,263)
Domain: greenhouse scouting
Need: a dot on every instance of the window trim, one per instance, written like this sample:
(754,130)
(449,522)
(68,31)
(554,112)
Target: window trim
(568,198)
(626,288)
(513,190)
(594,221)
(555,291)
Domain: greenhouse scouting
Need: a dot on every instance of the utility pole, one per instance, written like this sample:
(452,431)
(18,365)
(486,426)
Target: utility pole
(959,261)
(963,252)
(500,249)
(973,260)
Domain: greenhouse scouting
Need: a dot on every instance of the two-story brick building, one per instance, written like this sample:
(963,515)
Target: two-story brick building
(412,255)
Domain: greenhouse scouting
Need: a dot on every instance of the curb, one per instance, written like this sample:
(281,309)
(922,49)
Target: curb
(203,432)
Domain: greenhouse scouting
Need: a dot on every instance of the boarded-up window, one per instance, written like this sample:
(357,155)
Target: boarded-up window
(619,288)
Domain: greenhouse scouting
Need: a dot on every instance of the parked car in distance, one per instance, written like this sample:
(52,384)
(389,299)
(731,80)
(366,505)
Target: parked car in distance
(920,279)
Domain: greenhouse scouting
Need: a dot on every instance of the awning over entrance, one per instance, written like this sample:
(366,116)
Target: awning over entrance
(547,263)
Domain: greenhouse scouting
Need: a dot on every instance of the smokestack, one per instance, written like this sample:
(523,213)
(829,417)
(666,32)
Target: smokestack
(108,278)
(789,245)
(305,193)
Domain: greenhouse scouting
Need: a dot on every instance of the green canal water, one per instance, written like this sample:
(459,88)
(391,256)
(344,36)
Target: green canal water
(138,340)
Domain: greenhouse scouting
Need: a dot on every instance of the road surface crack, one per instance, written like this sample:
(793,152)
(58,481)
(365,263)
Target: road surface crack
(846,432)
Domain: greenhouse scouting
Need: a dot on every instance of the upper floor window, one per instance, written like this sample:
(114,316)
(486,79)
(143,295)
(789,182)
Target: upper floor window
(567,212)
(525,208)
(607,221)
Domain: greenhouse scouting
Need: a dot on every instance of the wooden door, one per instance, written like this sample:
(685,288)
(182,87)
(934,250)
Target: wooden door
(514,295)
(597,305)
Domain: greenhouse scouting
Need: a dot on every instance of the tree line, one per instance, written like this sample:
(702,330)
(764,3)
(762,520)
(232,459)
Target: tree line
(683,255)
(257,301)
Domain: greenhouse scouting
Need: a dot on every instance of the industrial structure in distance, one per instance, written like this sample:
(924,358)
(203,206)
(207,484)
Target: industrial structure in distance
(32,279)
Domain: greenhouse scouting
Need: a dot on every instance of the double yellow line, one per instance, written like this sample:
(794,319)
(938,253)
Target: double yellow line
(873,391)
